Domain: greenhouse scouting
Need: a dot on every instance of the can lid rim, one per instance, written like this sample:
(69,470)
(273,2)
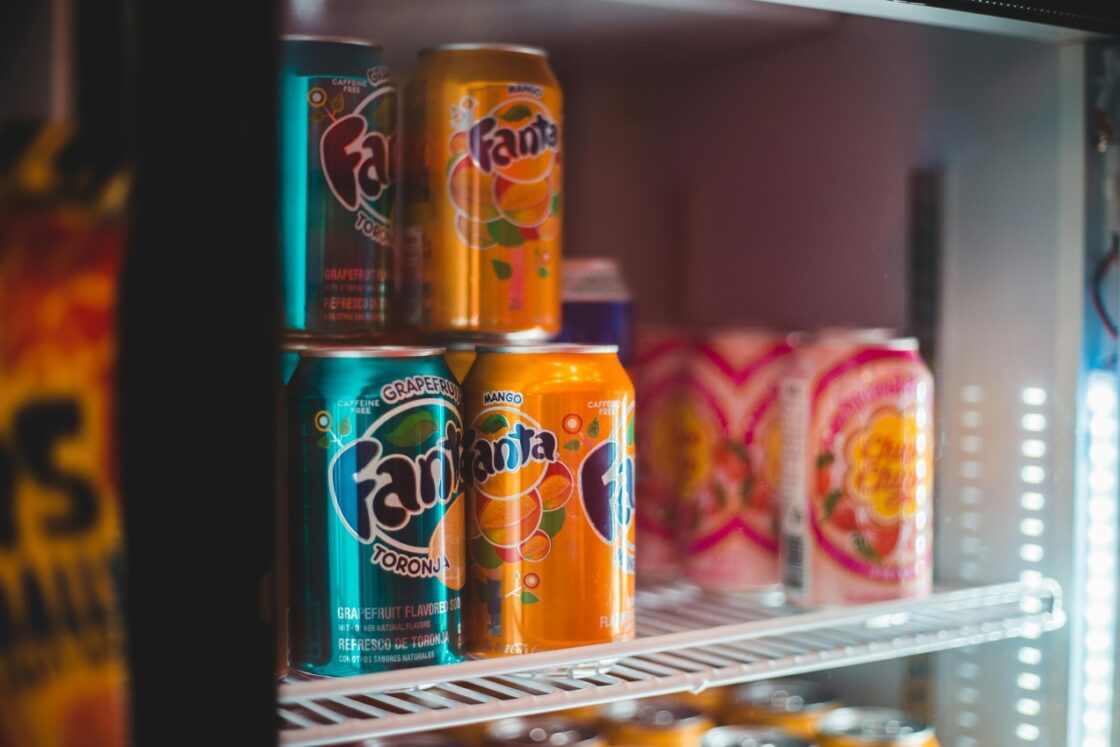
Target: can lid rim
(342,350)
(484,47)
(724,735)
(550,348)
(355,40)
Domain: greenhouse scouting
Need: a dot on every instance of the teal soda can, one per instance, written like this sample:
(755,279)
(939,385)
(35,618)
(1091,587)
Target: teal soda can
(377,516)
(338,114)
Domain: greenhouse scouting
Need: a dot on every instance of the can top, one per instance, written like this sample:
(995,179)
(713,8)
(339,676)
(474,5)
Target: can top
(546,731)
(412,740)
(875,726)
(342,350)
(557,348)
(590,279)
(460,346)
(751,736)
(330,39)
(484,47)
(783,696)
(653,714)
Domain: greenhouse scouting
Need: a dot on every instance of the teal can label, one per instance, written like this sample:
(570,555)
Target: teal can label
(377,513)
(338,185)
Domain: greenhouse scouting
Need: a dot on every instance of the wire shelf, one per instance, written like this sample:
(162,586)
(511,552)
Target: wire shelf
(687,640)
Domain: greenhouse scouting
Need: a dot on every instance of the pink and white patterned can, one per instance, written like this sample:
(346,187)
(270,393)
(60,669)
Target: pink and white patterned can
(661,384)
(729,517)
(857,471)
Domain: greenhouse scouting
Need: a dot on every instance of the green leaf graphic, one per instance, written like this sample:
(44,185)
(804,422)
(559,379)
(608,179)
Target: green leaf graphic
(516,113)
(344,427)
(484,554)
(505,233)
(542,271)
(593,428)
(317,116)
(337,103)
(501,269)
(824,459)
(738,450)
(385,116)
(572,445)
(864,549)
(480,590)
(630,432)
(413,430)
(552,521)
(324,441)
(528,597)
(831,501)
(555,208)
(494,423)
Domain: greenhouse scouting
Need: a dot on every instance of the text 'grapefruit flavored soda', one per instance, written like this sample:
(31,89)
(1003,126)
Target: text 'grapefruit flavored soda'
(662,383)
(857,471)
(377,515)
(338,145)
(549,459)
(481,254)
(730,515)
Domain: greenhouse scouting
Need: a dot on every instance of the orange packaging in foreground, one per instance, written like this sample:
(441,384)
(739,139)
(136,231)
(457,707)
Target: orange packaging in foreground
(548,458)
(857,471)
(874,727)
(481,254)
(62,667)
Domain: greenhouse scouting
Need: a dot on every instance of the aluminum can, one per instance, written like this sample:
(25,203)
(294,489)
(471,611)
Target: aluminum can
(752,736)
(597,308)
(481,251)
(795,706)
(730,517)
(857,471)
(874,727)
(412,740)
(338,113)
(656,723)
(460,357)
(662,383)
(711,700)
(376,514)
(549,461)
(547,730)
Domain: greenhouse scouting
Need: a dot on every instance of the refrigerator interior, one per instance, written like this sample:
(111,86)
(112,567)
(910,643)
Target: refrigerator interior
(936,172)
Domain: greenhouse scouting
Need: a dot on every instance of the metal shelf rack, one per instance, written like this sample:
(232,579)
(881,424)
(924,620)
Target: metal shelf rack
(687,640)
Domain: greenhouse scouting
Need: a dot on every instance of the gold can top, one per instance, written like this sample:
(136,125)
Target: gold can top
(783,696)
(484,47)
(555,348)
(875,726)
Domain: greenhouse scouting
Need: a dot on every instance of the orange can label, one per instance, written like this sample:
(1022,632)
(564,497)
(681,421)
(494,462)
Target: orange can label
(484,214)
(551,504)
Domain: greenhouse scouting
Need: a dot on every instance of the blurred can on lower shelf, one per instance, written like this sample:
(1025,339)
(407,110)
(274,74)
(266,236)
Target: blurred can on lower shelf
(752,736)
(857,471)
(546,730)
(793,705)
(481,250)
(597,308)
(377,519)
(337,127)
(656,723)
(549,461)
(874,727)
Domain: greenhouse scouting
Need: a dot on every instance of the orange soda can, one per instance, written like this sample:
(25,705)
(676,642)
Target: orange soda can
(857,471)
(548,457)
(730,513)
(711,701)
(793,705)
(546,730)
(655,723)
(874,727)
(481,254)
(460,357)
(752,736)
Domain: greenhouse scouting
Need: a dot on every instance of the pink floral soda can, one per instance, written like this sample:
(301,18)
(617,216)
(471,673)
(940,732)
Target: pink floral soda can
(661,383)
(857,471)
(729,517)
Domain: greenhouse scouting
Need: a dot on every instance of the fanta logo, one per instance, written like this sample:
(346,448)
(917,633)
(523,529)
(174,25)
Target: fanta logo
(377,490)
(502,398)
(357,163)
(509,452)
(495,142)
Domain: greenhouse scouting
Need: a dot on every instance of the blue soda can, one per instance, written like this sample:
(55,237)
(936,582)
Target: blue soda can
(377,517)
(597,309)
(338,114)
